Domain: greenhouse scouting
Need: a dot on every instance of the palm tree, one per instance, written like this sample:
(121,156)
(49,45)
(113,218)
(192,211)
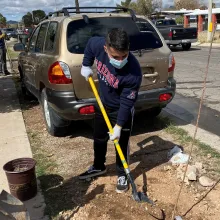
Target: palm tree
(77,6)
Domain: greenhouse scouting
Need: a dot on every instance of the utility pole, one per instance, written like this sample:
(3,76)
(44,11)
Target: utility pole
(55,5)
(210,24)
(77,6)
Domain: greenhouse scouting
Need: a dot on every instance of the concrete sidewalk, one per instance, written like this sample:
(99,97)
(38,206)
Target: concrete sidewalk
(198,44)
(14,142)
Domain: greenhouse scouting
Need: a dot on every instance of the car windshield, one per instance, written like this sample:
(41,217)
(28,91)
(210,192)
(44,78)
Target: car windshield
(142,34)
(166,22)
(9,29)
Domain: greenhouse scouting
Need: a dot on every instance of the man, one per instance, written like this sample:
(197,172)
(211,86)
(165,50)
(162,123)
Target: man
(119,75)
(3,66)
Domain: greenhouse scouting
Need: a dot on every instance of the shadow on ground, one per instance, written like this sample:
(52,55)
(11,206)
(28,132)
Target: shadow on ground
(71,194)
(179,49)
(11,98)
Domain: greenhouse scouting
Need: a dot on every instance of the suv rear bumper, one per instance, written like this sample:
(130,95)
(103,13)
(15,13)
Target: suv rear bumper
(177,42)
(67,107)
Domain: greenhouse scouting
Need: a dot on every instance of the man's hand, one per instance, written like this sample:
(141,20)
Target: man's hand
(116,133)
(86,71)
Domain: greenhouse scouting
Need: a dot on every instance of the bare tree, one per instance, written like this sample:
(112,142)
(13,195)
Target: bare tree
(187,4)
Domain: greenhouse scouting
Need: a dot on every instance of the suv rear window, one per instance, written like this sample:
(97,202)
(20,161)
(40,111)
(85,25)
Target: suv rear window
(142,36)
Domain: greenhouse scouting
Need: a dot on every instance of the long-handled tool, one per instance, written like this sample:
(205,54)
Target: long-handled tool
(137,196)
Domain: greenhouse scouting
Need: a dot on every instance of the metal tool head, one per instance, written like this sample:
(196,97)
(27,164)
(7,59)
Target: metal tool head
(141,197)
(12,208)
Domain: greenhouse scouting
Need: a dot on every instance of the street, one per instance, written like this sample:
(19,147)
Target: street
(189,74)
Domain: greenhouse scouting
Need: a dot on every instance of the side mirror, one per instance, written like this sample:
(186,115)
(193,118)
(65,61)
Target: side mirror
(19,47)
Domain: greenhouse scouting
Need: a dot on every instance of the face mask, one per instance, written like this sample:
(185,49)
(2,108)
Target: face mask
(118,64)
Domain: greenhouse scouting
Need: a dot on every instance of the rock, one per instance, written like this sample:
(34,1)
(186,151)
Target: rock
(209,156)
(191,173)
(206,181)
(199,166)
(166,168)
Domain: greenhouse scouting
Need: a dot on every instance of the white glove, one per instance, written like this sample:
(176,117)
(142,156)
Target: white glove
(116,133)
(86,71)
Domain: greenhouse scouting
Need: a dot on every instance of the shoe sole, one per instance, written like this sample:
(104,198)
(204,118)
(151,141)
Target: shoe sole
(92,175)
(121,191)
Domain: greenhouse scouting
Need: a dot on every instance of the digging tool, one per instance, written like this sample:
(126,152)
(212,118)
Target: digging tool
(12,208)
(137,196)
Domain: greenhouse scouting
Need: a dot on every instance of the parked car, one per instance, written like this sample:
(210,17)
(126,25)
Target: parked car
(50,65)
(10,32)
(176,34)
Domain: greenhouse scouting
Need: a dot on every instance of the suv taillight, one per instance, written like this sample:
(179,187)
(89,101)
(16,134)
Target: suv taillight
(165,97)
(86,110)
(59,73)
(171,63)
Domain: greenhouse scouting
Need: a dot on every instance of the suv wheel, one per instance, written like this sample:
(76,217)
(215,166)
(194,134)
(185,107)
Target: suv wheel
(56,126)
(186,46)
(26,94)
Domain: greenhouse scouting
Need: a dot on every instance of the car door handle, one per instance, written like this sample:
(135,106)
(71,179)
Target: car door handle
(151,75)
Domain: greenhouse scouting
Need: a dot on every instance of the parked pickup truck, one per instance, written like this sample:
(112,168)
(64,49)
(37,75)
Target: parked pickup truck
(176,34)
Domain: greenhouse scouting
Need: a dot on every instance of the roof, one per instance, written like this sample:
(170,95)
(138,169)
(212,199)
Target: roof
(181,11)
(204,12)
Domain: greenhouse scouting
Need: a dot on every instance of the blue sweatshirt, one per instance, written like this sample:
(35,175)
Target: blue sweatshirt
(118,88)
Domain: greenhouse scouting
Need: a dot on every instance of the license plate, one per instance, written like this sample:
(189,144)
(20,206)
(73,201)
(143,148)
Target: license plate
(185,41)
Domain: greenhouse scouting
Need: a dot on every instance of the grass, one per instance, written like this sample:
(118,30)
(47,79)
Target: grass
(184,138)
(44,163)
(13,54)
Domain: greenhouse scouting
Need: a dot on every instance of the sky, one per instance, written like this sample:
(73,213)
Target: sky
(15,9)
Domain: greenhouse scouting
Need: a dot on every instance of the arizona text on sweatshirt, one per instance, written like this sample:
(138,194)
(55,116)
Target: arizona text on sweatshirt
(118,88)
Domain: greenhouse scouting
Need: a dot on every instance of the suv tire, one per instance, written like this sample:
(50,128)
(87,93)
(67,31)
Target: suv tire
(56,126)
(186,46)
(25,92)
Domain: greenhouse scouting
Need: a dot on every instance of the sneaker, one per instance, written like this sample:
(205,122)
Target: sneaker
(7,73)
(92,172)
(122,184)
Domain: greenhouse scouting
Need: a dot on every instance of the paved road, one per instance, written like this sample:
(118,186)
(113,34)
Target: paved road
(189,73)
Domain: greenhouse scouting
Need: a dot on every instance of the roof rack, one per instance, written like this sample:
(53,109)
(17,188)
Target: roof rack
(66,11)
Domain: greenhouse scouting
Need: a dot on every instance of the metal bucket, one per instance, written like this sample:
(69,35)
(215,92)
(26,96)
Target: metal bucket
(21,178)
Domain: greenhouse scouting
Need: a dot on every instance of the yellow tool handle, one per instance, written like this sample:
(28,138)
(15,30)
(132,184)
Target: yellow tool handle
(107,122)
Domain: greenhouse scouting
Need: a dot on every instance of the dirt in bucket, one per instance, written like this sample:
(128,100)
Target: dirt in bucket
(19,168)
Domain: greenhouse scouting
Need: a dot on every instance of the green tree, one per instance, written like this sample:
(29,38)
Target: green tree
(38,15)
(146,7)
(2,20)
(125,4)
(27,19)
(180,19)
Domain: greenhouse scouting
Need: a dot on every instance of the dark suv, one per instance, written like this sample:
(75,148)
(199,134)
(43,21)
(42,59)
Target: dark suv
(50,64)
